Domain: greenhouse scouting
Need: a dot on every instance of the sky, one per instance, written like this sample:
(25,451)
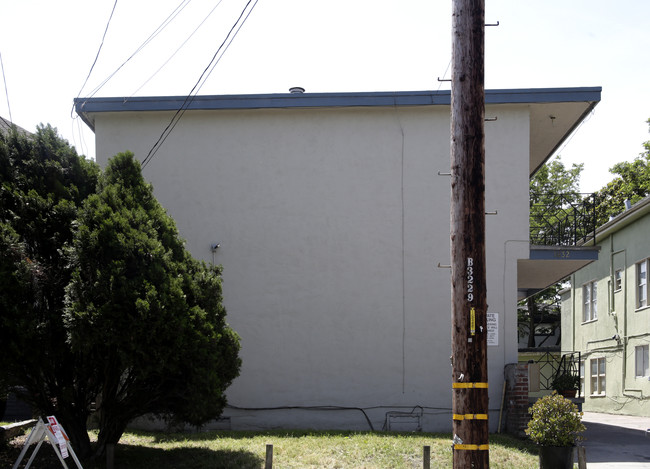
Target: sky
(48,49)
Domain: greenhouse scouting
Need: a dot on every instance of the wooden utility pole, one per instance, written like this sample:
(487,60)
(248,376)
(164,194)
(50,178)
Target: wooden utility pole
(468,278)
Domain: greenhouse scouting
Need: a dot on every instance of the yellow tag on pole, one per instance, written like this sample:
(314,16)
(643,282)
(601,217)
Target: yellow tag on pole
(472,321)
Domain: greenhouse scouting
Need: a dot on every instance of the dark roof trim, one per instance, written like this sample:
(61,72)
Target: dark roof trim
(562,253)
(638,210)
(298,100)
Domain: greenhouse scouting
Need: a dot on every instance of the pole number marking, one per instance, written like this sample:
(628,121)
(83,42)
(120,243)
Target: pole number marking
(470,279)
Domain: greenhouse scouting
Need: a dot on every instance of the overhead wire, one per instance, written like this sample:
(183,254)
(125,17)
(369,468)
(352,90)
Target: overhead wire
(82,143)
(108,23)
(176,51)
(146,42)
(228,45)
(200,82)
(2,65)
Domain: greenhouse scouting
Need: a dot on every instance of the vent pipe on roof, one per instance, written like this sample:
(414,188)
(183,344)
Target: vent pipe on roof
(296,90)
(628,204)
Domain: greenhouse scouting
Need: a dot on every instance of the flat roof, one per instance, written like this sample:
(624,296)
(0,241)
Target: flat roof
(554,112)
(350,99)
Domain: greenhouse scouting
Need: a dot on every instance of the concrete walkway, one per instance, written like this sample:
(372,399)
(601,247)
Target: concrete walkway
(616,441)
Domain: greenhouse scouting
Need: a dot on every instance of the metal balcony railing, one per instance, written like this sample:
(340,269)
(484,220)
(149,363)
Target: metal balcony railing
(551,367)
(562,219)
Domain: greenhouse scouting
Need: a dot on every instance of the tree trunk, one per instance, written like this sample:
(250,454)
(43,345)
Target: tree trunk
(110,432)
(74,424)
(532,310)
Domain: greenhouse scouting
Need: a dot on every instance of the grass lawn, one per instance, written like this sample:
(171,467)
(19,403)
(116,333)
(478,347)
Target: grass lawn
(291,449)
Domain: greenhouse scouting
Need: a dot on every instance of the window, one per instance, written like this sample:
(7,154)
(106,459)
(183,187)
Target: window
(598,376)
(582,377)
(641,361)
(642,284)
(618,280)
(590,298)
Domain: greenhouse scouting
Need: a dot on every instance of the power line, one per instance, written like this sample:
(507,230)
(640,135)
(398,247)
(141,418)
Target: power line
(177,50)
(157,31)
(199,83)
(228,45)
(98,51)
(2,65)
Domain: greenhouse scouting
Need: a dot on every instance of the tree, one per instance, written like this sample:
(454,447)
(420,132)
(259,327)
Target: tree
(42,183)
(144,311)
(553,189)
(632,183)
(540,308)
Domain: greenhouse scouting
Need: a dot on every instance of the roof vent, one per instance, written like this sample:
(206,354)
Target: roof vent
(628,204)
(296,90)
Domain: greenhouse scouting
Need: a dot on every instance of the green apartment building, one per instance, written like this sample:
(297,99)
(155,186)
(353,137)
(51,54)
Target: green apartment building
(606,316)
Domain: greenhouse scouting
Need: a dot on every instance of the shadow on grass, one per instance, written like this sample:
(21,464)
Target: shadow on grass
(512,442)
(138,457)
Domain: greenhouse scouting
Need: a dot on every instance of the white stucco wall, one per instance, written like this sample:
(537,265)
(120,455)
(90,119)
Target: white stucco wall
(332,222)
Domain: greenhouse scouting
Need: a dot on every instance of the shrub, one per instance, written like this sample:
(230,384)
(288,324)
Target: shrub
(555,421)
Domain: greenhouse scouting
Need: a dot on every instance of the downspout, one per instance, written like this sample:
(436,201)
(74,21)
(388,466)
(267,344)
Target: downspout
(624,335)
(573,312)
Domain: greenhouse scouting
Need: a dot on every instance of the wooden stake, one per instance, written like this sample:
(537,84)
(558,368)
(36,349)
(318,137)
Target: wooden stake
(269,457)
(468,277)
(426,457)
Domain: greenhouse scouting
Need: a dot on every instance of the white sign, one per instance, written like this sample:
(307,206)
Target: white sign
(493,329)
(59,435)
(55,434)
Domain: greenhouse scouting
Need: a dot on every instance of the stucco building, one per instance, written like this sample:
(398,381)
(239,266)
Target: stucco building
(606,317)
(331,216)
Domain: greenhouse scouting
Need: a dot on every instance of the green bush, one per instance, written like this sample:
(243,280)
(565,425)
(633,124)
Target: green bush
(555,421)
(566,382)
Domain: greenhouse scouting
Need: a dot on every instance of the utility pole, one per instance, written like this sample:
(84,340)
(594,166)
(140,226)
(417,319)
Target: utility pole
(468,278)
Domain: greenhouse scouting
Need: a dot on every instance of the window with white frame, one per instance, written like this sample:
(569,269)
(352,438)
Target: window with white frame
(590,301)
(641,361)
(582,377)
(597,376)
(642,284)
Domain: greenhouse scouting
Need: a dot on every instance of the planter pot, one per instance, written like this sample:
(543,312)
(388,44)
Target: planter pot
(556,457)
(569,393)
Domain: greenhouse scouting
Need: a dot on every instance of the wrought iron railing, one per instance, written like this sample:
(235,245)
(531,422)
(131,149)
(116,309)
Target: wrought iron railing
(552,365)
(562,219)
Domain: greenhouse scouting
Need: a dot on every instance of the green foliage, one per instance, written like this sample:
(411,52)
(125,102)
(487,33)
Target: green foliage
(551,190)
(100,297)
(632,183)
(555,178)
(538,309)
(42,183)
(566,382)
(555,421)
(148,315)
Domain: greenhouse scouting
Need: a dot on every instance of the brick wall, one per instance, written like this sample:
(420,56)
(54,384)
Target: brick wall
(517,404)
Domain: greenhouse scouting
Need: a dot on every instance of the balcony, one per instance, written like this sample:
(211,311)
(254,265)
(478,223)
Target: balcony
(563,220)
(562,240)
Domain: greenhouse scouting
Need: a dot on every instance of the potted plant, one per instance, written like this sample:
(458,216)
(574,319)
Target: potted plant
(555,425)
(566,384)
